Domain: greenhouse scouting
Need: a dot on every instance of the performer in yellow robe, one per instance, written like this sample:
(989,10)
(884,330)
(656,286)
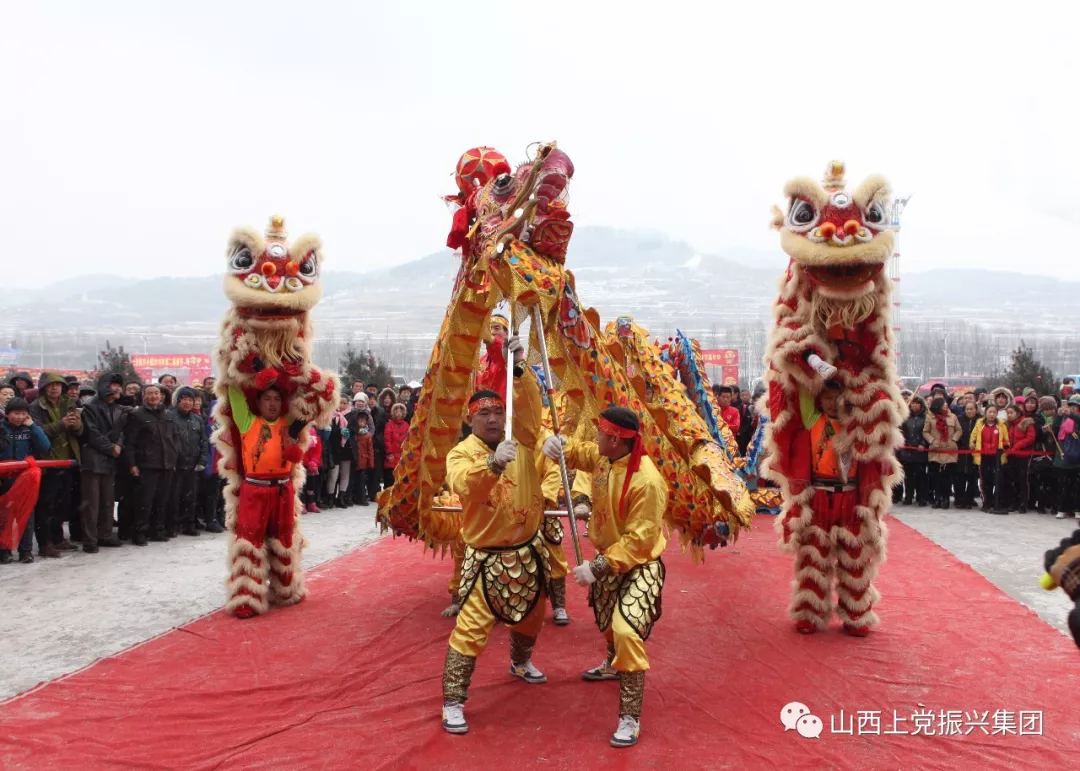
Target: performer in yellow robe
(498,332)
(625,579)
(505,568)
(551,486)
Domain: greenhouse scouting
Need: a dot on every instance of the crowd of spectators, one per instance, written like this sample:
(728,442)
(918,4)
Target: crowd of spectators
(142,466)
(1012,453)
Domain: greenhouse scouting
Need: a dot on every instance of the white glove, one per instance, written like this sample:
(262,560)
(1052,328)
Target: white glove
(582,511)
(583,575)
(515,347)
(505,453)
(553,446)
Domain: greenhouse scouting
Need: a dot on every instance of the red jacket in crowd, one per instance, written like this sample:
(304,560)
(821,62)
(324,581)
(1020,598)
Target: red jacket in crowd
(313,456)
(393,438)
(1021,437)
(732,417)
(365,450)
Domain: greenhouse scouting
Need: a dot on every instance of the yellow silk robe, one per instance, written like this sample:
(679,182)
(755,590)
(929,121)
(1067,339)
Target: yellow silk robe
(635,536)
(501,509)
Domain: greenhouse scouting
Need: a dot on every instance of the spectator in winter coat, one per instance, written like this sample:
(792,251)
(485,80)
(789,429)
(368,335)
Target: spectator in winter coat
(912,455)
(312,465)
(730,414)
(1066,431)
(1068,387)
(101,446)
(941,430)
(342,447)
(150,453)
(359,483)
(24,386)
(211,504)
(59,418)
(7,393)
(394,435)
(1018,459)
(132,394)
(1002,398)
(20,438)
(1043,496)
(191,451)
(989,439)
(380,416)
(405,397)
(965,472)
(369,477)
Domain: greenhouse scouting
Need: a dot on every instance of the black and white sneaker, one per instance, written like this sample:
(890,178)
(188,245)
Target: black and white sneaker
(528,673)
(626,735)
(453,719)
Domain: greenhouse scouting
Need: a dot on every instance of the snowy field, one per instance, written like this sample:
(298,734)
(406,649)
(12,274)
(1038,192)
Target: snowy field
(63,614)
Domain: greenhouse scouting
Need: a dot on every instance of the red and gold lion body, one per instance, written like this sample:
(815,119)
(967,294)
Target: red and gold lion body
(834,302)
(266,341)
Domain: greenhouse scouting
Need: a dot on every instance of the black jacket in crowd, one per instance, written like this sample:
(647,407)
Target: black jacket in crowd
(191,441)
(150,440)
(965,464)
(103,429)
(913,436)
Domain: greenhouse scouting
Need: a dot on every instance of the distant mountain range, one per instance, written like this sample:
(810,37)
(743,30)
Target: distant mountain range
(663,283)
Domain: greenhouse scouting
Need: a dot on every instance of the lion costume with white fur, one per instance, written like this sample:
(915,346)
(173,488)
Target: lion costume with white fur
(266,342)
(833,314)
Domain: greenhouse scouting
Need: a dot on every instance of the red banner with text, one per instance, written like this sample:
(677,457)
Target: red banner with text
(187,368)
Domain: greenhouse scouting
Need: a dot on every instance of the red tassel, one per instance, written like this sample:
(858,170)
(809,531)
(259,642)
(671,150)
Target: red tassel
(459,229)
(492,375)
(17,504)
(266,378)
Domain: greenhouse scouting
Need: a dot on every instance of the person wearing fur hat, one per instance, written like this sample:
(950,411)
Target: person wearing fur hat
(941,430)
(989,439)
(1002,397)
(1015,471)
(1041,471)
(912,455)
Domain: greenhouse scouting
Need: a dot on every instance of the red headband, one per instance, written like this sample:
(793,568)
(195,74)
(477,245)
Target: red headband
(634,463)
(487,401)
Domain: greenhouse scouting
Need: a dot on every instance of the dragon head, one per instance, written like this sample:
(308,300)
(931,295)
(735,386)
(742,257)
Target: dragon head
(840,238)
(267,276)
(498,204)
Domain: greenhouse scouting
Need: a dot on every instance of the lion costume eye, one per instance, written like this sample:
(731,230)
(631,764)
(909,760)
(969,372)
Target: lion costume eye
(241,260)
(875,215)
(309,268)
(801,216)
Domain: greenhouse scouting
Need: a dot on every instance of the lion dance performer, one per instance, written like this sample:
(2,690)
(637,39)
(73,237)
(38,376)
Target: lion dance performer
(269,394)
(627,575)
(832,351)
(504,573)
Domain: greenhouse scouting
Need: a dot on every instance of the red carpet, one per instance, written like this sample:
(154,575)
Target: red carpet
(352,679)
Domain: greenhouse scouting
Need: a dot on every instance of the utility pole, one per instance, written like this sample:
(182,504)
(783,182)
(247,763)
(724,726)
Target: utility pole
(894,263)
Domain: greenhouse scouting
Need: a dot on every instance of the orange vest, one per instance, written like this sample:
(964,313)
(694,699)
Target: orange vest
(824,463)
(264,449)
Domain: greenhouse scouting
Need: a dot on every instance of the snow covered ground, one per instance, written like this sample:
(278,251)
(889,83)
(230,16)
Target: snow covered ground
(60,615)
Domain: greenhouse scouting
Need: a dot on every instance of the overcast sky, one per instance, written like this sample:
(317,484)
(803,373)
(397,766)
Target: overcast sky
(135,135)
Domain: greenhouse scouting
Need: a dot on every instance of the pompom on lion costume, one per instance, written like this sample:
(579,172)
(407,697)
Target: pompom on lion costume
(265,349)
(832,332)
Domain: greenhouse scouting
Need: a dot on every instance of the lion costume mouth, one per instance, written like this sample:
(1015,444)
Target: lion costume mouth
(843,278)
